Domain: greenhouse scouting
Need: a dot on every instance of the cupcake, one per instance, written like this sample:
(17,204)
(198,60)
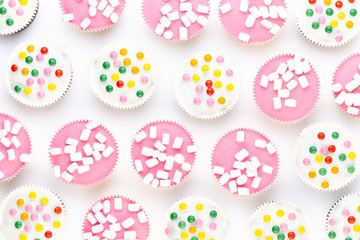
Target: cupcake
(83,153)
(253,22)
(346,85)
(176,20)
(116,217)
(245,162)
(286,88)
(163,154)
(32,212)
(342,221)
(196,218)
(15,147)
(123,75)
(207,85)
(17,15)
(328,23)
(92,15)
(38,73)
(325,156)
(279,220)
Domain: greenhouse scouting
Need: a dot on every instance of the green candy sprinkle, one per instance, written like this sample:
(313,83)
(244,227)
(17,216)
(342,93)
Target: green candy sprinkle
(52,61)
(18,224)
(9,22)
(332,234)
(353,12)
(35,73)
(328,29)
(309,12)
(37,238)
(106,65)
(335,135)
(182,224)
(315,25)
(322,171)
(139,94)
(342,157)
(213,214)
(122,70)
(191,219)
(348,238)
(109,88)
(194,238)
(103,77)
(329,12)
(28,59)
(1,2)
(281,237)
(351,169)
(173,216)
(17,88)
(312,150)
(3,11)
(275,229)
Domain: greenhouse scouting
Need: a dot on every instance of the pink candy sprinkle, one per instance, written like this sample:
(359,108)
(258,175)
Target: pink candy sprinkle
(197,101)
(40,57)
(346,230)
(41,81)
(319,9)
(345,213)
(41,94)
(113,55)
(27,228)
(220,59)
(212,226)
(47,71)
(292,216)
(322,20)
(123,99)
(186,77)
(339,38)
(324,150)
(283,227)
(144,79)
(347,144)
(210,102)
(34,217)
(13,212)
(306,162)
(332,222)
(199,223)
(229,73)
(12,3)
(20,12)
(117,63)
(168,231)
(47,218)
(30,81)
(39,208)
(29,208)
(199,88)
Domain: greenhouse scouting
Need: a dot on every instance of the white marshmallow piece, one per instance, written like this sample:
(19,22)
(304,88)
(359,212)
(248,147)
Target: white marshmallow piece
(290,103)
(185,6)
(108,11)
(273,10)
(133,207)
(255,12)
(264,12)
(292,85)
(15,141)
(264,82)
(83,169)
(186,166)
(178,142)
(241,180)
(267,169)
(68,17)
(72,167)
(90,217)
(282,12)
(240,136)
(177,176)
(118,203)
(202,9)
(75,157)
(159,30)
(191,16)
(138,165)
(92,11)
(275,29)
(277,84)
(256,182)
(153,132)
(244,6)
(224,178)
(56,171)
(267,2)
(16,128)
(67,176)
(142,217)
(129,235)
(225,8)
(169,163)
(173,16)
(152,162)
(85,134)
(202,20)
(277,103)
(219,170)
(159,146)
(97,228)
(162,175)
(114,3)
(270,148)
(250,21)
(25,158)
(185,20)
(340,99)
(303,81)
(85,23)
(7,126)
(284,93)
(166,9)
(243,191)
(165,21)
(240,156)
(267,24)
(128,223)
(233,186)
(337,87)
(11,154)
(183,33)
(260,143)
(243,37)
(352,111)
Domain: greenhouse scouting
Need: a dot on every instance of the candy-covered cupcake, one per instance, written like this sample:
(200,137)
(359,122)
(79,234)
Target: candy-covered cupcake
(196,218)
(346,85)
(16,15)
(92,15)
(163,153)
(253,21)
(116,217)
(123,75)
(286,88)
(176,20)
(245,162)
(32,212)
(325,156)
(38,73)
(83,153)
(279,220)
(15,147)
(207,85)
(328,23)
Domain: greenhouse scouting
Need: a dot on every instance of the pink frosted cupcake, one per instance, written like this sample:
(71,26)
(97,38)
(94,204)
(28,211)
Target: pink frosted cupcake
(245,162)
(287,88)
(163,153)
(346,85)
(15,147)
(176,20)
(83,153)
(92,15)
(116,217)
(253,21)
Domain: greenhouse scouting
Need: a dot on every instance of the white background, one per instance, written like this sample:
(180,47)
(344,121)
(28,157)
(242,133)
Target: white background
(80,102)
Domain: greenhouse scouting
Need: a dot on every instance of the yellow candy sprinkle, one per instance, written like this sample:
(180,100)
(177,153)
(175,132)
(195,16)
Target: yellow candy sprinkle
(127,62)
(25,71)
(184,235)
(205,68)
(196,78)
(192,229)
(280,213)
(30,48)
(199,207)
(115,77)
(357,228)
(123,51)
(39,227)
(358,209)
(140,55)
(44,201)
(32,195)
(349,24)
(341,15)
(218,84)
(23,237)
(229,87)
(131,84)
(24,2)
(258,233)
(20,202)
(217,73)
(135,70)
(202,235)
(27,91)
(312,174)
(269,238)
(57,224)
(147,67)
(221,100)
(22,55)
(267,218)
(193,62)
(24,216)
(352,155)
(334,23)
(334,170)
(182,206)
(325,184)
(319,158)
(212,239)
(327,2)
(208,58)
(301,229)
(52,86)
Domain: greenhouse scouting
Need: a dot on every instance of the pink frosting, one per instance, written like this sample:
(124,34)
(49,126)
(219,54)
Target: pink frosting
(345,74)
(80,10)
(152,15)
(227,148)
(234,20)
(99,170)
(306,98)
(11,168)
(142,229)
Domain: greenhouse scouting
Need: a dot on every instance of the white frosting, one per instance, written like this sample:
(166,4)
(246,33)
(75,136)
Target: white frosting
(29,13)
(7,222)
(17,78)
(185,91)
(257,221)
(113,98)
(308,138)
(222,230)
(320,36)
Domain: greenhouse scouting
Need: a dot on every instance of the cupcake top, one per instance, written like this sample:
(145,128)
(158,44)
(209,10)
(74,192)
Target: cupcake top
(176,20)
(116,217)
(245,162)
(325,156)
(83,153)
(92,15)
(328,23)
(346,85)
(343,218)
(207,85)
(196,218)
(279,220)
(16,15)
(286,88)
(32,212)
(38,73)
(15,147)
(253,21)
(123,75)
(163,153)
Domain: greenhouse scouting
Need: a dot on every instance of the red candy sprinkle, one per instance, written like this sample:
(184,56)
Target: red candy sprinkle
(332,148)
(339,4)
(44,50)
(208,83)
(321,136)
(48,234)
(351,1)
(291,235)
(58,73)
(328,160)
(119,84)
(210,91)
(14,68)
(351,219)
(312,1)
(58,210)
